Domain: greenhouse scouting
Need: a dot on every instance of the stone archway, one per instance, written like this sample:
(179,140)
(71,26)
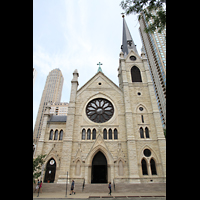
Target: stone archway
(50,171)
(99,171)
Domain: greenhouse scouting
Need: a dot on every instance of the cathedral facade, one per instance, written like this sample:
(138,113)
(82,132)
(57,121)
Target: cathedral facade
(110,132)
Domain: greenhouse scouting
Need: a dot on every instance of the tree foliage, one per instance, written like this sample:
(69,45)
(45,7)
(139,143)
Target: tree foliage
(37,164)
(152,9)
(164,132)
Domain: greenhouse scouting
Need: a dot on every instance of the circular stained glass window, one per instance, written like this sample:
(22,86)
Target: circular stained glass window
(99,110)
(141,108)
(147,152)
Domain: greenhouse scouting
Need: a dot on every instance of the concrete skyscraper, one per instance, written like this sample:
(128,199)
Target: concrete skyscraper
(154,46)
(51,93)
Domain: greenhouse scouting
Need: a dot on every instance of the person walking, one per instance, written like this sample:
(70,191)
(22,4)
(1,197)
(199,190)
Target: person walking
(37,186)
(109,186)
(72,188)
(40,186)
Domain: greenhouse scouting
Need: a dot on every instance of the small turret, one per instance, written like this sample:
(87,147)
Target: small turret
(74,86)
(75,76)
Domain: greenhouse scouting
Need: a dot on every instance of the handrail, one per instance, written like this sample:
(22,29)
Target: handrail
(83,184)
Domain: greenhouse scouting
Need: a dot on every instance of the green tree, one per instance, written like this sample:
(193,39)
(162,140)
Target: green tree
(164,132)
(147,7)
(37,164)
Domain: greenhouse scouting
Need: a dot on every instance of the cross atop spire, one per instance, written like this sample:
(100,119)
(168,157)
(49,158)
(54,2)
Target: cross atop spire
(99,69)
(127,41)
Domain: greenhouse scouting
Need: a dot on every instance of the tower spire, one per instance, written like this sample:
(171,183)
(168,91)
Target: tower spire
(127,41)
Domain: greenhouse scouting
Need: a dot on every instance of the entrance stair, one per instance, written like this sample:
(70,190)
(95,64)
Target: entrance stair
(103,188)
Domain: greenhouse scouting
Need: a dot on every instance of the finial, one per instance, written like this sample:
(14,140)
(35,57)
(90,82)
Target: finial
(122,15)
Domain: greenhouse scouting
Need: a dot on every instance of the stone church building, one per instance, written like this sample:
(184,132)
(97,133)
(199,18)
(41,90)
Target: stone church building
(111,132)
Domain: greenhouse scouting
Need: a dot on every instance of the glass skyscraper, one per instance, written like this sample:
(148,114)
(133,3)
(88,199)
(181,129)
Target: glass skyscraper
(154,47)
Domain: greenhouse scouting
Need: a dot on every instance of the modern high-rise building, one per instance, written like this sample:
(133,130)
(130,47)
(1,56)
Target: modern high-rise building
(34,75)
(51,93)
(59,108)
(154,46)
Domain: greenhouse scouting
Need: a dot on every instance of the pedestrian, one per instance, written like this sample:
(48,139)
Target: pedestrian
(109,186)
(40,186)
(37,186)
(72,188)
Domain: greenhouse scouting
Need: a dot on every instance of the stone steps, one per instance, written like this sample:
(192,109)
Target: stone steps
(103,188)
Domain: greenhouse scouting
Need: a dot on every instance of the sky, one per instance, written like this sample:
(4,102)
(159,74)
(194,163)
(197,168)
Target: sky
(77,34)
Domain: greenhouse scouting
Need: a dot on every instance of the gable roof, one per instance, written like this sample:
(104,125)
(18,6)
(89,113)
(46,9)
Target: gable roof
(99,73)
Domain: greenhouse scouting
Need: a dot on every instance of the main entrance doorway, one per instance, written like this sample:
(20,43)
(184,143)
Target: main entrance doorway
(50,171)
(99,169)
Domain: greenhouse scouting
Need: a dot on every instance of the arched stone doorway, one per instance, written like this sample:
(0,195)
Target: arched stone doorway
(99,170)
(50,171)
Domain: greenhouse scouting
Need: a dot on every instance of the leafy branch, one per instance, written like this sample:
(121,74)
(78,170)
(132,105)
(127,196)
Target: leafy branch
(37,164)
(152,9)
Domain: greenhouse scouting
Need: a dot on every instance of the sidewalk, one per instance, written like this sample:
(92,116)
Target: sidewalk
(97,195)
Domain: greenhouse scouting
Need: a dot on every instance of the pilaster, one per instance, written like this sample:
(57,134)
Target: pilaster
(131,144)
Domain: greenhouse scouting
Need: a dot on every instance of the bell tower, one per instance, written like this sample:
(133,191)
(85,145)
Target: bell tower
(141,110)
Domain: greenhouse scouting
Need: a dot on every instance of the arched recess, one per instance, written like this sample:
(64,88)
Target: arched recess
(50,171)
(120,167)
(89,159)
(51,134)
(144,166)
(93,152)
(145,110)
(56,134)
(61,134)
(136,74)
(153,167)
(78,168)
(99,169)
(153,154)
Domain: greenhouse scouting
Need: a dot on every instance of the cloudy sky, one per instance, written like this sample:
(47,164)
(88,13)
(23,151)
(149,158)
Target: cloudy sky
(77,34)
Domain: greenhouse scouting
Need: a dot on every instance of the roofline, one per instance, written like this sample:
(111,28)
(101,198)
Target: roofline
(96,75)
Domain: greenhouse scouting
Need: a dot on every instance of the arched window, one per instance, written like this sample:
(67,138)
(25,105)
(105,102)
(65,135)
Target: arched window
(147,132)
(105,133)
(135,74)
(141,132)
(144,167)
(153,167)
(115,134)
(56,135)
(83,134)
(94,134)
(61,135)
(110,134)
(142,118)
(88,134)
(51,135)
